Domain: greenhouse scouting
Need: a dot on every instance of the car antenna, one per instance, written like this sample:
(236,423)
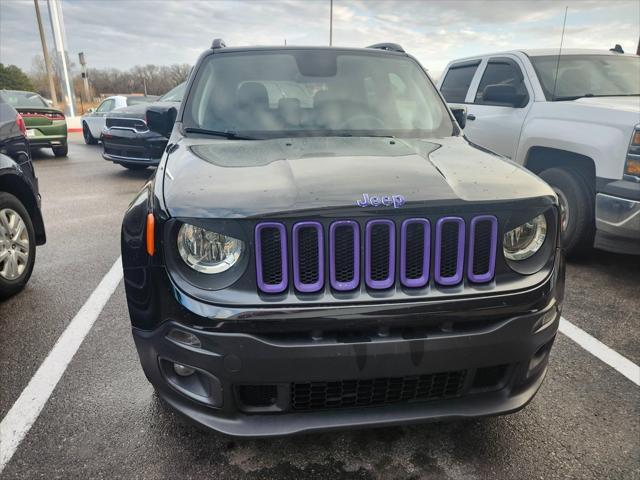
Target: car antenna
(555,81)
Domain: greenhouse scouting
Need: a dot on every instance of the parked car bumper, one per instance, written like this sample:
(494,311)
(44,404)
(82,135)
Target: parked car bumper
(44,138)
(127,146)
(256,381)
(618,217)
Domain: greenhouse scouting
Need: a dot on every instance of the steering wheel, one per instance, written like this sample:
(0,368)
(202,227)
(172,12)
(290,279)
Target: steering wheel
(362,116)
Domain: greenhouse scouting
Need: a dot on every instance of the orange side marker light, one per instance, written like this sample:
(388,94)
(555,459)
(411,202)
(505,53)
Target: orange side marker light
(151,234)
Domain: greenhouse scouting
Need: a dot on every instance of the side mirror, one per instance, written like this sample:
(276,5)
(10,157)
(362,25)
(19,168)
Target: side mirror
(160,119)
(502,94)
(460,114)
(91,110)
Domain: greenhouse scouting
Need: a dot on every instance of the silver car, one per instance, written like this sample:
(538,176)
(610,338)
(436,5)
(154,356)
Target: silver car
(94,120)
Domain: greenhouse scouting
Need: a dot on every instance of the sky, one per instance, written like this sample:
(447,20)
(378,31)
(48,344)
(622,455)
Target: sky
(123,33)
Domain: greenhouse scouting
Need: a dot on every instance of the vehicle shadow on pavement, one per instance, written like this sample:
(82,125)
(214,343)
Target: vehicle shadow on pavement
(430,450)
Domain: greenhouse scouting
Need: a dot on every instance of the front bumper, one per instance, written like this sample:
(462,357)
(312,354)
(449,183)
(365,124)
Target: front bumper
(272,381)
(618,222)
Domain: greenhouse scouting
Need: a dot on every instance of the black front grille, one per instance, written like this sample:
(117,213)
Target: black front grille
(482,247)
(344,253)
(271,256)
(377,391)
(459,247)
(380,251)
(414,261)
(308,255)
(449,257)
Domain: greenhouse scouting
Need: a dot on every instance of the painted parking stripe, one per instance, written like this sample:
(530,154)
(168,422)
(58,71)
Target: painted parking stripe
(24,412)
(598,349)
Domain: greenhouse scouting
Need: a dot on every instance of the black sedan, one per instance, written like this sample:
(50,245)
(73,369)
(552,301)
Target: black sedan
(21,225)
(127,140)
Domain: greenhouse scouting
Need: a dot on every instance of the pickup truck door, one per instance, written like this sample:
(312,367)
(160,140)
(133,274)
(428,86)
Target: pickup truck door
(492,121)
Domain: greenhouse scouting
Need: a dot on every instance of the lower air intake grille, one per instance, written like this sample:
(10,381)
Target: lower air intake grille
(377,391)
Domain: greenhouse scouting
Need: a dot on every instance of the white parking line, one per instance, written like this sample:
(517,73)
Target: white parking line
(24,412)
(598,349)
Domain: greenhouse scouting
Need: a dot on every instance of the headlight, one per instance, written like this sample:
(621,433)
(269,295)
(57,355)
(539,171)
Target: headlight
(206,251)
(525,240)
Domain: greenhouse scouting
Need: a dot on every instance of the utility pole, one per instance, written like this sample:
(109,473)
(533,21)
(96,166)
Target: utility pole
(330,22)
(45,54)
(85,76)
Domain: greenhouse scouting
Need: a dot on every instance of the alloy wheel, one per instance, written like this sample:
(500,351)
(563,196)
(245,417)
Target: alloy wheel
(14,244)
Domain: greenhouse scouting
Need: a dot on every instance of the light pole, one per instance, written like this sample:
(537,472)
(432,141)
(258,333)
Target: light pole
(330,22)
(57,26)
(45,54)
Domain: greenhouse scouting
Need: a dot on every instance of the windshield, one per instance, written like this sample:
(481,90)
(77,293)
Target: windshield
(315,92)
(588,75)
(23,99)
(175,94)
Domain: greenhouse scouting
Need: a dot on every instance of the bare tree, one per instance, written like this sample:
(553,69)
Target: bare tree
(158,79)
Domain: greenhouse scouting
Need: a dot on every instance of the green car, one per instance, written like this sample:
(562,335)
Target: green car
(46,126)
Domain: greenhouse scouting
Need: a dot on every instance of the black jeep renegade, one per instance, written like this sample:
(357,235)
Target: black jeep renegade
(322,248)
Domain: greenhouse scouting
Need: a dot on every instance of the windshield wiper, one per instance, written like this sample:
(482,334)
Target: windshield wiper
(226,134)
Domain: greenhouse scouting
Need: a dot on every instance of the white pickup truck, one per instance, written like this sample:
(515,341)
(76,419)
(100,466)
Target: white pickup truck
(574,121)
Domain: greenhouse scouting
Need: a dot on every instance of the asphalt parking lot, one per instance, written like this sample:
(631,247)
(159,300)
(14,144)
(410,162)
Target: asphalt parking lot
(103,419)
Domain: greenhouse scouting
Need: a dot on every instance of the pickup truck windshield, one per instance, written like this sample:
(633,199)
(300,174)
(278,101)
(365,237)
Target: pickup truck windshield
(270,94)
(588,76)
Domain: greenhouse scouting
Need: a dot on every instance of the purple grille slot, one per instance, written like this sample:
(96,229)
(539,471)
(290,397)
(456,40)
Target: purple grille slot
(344,255)
(414,271)
(483,243)
(380,254)
(271,261)
(308,262)
(449,251)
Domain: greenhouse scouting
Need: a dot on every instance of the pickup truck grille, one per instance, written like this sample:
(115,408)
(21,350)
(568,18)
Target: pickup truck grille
(385,252)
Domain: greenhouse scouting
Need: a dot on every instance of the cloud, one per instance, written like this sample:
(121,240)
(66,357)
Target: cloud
(123,33)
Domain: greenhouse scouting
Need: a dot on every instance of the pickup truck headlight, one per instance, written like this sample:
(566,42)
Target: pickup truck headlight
(525,240)
(632,165)
(206,251)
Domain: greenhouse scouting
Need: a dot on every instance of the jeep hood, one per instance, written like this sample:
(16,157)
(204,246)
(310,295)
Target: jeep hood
(233,178)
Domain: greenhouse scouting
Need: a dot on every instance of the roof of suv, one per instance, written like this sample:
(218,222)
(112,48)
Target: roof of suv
(305,47)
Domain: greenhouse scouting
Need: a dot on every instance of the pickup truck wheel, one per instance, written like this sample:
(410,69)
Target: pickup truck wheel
(61,151)
(86,133)
(576,208)
(17,245)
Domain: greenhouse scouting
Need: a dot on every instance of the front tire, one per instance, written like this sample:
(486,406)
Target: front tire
(577,208)
(17,245)
(61,151)
(86,133)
